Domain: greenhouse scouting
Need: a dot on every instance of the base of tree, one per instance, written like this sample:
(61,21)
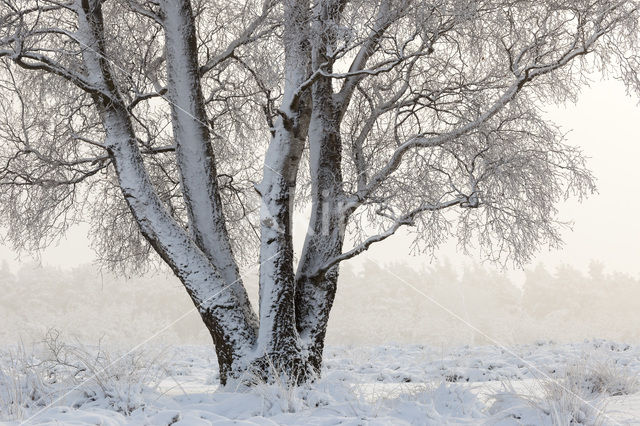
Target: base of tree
(288,369)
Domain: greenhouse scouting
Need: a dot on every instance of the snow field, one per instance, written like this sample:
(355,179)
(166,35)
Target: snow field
(591,383)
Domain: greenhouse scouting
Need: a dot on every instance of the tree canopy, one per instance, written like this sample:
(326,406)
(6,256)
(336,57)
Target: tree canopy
(191,129)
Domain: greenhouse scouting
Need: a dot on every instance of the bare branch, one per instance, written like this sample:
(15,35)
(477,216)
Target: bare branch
(248,36)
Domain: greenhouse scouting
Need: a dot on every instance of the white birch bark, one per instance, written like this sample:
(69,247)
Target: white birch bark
(278,336)
(231,331)
(194,153)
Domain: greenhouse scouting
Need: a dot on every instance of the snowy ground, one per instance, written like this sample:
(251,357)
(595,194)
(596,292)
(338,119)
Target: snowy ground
(593,382)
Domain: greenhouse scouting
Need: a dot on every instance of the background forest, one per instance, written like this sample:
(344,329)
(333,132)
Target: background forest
(376,304)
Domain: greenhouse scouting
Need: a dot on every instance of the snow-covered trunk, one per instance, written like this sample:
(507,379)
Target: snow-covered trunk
(224,318)
(325,235)
(194,153)
(232,333)
(315,292)
(278,338)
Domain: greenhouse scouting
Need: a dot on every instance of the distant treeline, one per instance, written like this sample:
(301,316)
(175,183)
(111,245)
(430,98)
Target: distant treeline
(443,304)
(440,305)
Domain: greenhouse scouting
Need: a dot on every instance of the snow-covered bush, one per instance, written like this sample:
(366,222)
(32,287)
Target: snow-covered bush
(568,400)
(55,372)
(22,387)
(429,404)
(603,377)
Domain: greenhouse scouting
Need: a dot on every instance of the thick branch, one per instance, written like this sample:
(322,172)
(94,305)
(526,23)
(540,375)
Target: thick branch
(248,35)
(406,219)
(384,19)
(194,151)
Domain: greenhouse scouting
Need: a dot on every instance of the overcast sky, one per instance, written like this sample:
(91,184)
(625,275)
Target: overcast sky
(606,124)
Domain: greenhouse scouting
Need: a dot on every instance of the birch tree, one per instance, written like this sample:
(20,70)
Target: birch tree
(191,133)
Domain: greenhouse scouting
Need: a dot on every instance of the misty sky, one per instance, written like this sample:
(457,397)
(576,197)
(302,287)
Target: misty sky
(605,123)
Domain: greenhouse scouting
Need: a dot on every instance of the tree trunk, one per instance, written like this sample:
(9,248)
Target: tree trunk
(202,259)
(194,153)
(231,329)
(315,292)
(278,339)
(225,319)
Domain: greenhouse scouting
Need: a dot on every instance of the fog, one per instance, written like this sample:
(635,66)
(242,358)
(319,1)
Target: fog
(388,294)
(440,305)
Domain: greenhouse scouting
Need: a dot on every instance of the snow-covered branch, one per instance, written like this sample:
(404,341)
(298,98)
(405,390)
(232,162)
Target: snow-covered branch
(523,77)
(249,35)
(384,18)
(406,219)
